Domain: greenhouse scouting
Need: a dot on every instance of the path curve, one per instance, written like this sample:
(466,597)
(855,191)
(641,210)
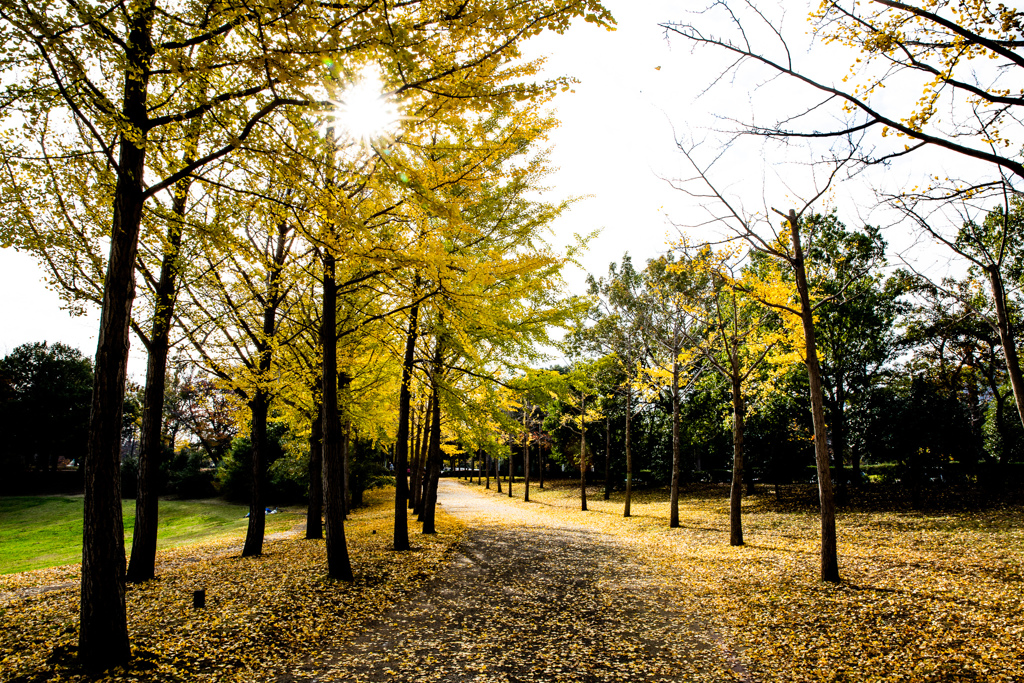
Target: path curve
(530,597)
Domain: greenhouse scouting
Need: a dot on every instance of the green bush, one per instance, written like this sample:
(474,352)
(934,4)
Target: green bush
(188,474)
(287,476)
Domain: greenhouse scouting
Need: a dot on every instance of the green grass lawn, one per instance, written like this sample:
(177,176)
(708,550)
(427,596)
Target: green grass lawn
(46,531)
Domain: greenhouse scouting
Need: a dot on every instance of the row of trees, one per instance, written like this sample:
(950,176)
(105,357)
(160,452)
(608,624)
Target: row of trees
(327,280)
(173,150)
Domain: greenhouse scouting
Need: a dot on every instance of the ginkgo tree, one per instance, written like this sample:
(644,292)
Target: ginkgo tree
(617,331)
(730,332)
(958,61)
(667,327)
(118,76)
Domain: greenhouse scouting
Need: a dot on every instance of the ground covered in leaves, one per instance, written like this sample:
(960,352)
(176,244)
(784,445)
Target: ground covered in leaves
(263,615)
(925,596)
(514,591)
(534,596)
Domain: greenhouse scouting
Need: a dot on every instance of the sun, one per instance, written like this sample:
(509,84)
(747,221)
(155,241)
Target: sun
(363,112)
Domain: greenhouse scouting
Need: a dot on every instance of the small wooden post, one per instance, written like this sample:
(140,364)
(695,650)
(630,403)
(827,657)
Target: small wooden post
(199,598)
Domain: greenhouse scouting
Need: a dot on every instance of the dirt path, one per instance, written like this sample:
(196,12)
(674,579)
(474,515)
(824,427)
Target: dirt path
(530,598)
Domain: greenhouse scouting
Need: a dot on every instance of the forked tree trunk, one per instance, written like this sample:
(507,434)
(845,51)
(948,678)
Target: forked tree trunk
(433,454)
(338,565)
(673,519)
(421,460)
(736,491)
(259,407)
(259,404)
(142,565)
(414,457)
(829,557)
(402,441)
(103,625)
(315,509)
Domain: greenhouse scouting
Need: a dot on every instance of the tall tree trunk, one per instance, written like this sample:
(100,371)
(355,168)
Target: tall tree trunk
(421,460)
(103,626)
(511,457)
(142,565)
(346,497)
(487,469)
(540,465)
(829,556)
(259,407)
(402,440)
(673,518)
(736,491)
(497,473)
(434,453)
(259,404)
(583,453)
(607,457)
(839,438)
(629,453)
(1007,339)
(315,510)
(526,461)
(414,456)
(338,565)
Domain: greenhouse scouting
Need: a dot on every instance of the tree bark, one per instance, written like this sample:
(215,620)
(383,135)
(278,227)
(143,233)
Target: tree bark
(402,440)
(338,565)
(736,491)
(434,452)
(540,465)
(673,519)
(259,404)
(526,460)
(421,460)
(829,557)
(259,407)
(346,442)
(103,625)
(142,565)
(583,453)
(315,510)
(414,456)
(487,469)
(629,453)
(1007,339)
(511,457)
(497,473)
(607,457)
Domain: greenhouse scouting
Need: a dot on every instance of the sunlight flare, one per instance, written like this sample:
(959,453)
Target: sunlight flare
(364,112)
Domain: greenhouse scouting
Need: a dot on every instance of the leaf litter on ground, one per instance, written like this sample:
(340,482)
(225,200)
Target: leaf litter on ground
(924,597)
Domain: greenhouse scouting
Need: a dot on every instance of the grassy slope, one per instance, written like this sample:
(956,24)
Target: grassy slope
(46,531)
(264,617)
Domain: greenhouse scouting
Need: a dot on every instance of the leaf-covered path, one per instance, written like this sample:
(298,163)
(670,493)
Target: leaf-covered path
(531,597)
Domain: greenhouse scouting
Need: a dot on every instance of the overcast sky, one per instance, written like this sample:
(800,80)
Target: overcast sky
(616,145)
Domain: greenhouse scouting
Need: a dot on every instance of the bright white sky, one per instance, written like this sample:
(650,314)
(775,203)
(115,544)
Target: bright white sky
(616,143)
